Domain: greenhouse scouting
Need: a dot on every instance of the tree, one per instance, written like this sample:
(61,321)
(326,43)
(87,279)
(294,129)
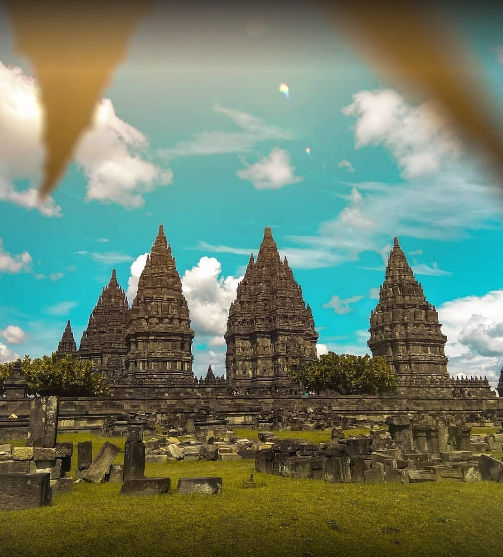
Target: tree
(346,374)
(4,373)
(62,376)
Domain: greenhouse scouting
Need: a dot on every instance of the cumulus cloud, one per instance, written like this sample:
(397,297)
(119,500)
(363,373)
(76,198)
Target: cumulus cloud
(347,165)
(6,354)
(342,306)
(474,329)
(321,349)
(209,296)
(272,172)
(111,257)
(14,263)
(51,276)
(13,334)
(419,137)
(61,308)
(252,130)
(135,271)
(112,154)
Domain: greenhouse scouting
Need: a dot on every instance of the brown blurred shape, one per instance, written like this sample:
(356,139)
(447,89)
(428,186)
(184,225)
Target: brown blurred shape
(414,45)
(73,50)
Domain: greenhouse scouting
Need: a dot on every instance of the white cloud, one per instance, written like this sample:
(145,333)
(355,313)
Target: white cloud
(373,293)
(51,276)
(321,349)
(112,153)
(474,329)
(432,270)
(103,240)
(205,357)
(135,271)
(419,137)
(6,354)
(271,172)
(209,296)
(342,306)
(225,249)
(111,257)
(347,165)
(14,263)
(112,156)
(13,334)
(61,308)
(252,130)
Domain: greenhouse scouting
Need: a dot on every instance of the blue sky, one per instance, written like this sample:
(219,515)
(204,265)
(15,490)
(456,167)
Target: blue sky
(195,134)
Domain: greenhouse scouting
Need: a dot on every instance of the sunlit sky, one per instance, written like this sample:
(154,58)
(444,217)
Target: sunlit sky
(194,133)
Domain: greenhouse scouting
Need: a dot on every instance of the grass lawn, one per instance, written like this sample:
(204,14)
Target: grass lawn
(314,436)
(283,517)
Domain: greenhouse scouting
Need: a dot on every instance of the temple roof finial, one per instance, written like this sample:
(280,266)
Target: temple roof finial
(395,242)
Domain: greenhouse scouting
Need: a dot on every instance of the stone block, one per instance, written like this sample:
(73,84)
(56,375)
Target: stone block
(418,476)
(43,425)
(207,452)
(227,449)
(100,466)
(291,446)
(229,457)
(265,436)
(116,473)
(456,456)
(247,453)
(64,450)
(264,461)
(208,486)
(295,467)
(392,475)
(358,467)
(146,486)
(173,440)
(135,433)
(490,468)
(498,437)
(6,448)
(84,455)
(134,457)
(471,473)
(156,458)
(42,453)
(373,475)
(358,446)
(62,485)
(174,451)
(22,453)
(24,491)
(337,469)
(15,467)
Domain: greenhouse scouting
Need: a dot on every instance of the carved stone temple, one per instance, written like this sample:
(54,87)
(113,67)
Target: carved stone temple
(104,341)
(269,327)
(67,343)
(404,326)
(158,336)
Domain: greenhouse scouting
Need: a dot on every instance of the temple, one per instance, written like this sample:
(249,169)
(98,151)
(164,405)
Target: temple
(104,341)
(67,343)
(269,329)
(404,326)
(158,335)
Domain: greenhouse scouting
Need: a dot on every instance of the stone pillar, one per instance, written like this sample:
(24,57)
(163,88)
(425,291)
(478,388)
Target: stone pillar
(401,432)
(134,454)
(434,442)
(464,444)
(420,441)
(43,426)
(84,455)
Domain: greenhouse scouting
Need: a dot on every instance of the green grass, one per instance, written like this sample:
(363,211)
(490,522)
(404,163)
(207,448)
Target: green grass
(314,436)
(485,430)
(284,517)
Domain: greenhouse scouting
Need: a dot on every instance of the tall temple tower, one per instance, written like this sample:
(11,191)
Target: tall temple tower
(104,341)
(67,343)
(404,327)
(269,328)
(159,337)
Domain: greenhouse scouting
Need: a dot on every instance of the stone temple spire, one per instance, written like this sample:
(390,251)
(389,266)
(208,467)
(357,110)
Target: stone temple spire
(159,336)
(67,343)
(103,342)
(269,328)
(499,388)
(404,326)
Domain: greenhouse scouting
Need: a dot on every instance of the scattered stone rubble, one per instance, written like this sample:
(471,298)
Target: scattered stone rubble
(411,452)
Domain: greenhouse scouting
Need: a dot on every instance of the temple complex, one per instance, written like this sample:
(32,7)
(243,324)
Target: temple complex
(158,335)
(404,326)
(269,328)
(104,341)
(499,388)
(67,343)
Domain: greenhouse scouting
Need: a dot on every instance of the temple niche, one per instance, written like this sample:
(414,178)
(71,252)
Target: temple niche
(404,326)
(269,328)
(158,336)
(67,343)
(103,342)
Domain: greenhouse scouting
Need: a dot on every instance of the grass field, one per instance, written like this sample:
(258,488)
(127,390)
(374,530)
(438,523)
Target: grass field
(283,517)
